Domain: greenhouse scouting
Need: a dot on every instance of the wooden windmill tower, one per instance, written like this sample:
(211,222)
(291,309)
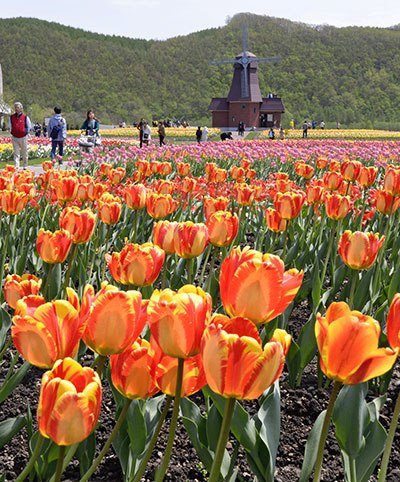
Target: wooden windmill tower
(245,102)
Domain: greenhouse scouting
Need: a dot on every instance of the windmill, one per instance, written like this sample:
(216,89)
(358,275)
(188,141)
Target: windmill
(243,61)
(244,103)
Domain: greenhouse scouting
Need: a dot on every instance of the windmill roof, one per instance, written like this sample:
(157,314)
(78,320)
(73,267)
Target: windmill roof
(218,103)
(273,104)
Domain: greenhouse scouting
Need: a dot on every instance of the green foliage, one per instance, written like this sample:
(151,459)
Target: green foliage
(347,74)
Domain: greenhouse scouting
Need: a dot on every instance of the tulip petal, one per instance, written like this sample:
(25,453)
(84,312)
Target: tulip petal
(379,362)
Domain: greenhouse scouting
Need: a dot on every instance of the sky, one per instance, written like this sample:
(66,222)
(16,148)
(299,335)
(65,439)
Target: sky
(162,19)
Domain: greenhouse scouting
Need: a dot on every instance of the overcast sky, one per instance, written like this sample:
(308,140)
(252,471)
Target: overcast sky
(161,19)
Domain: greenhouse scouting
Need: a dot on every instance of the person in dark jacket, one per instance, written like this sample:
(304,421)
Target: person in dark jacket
(199,134)
(91,125)
(57,133)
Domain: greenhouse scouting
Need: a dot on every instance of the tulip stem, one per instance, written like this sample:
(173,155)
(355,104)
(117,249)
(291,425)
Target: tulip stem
(354,279)
(143,464)
(159,476)
(60,463)
(72,258)
(3,260)
(222,440)
(101,360)
(210,274)
(107,445)
(189,265)
(324,431)
(46,283)
(389,441)
(38,448)
(67,459)
(107,240)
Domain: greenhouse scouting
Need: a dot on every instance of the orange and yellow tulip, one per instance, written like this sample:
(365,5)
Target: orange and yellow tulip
(16,287)
(289,204)
(112,319)
(348,345)
(13,202)
(66,188)
(386,203)
(79,223)
(393,323)
(136,264)
(350,170)
(367,176)
(359,250)
(51,331)
(53,247)
(222,228)
(160,205)
(332,180)
(235,363)
(130,371)
(391,182)
(163,235)
(69,402)
(177,319)
(214,204)
(183,169)
(135,196)
(190,239)
(274,220)
(109,209)
(256,285)
(337,206)
(245,194)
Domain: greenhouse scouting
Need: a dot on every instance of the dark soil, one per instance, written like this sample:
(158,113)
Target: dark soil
(299,409)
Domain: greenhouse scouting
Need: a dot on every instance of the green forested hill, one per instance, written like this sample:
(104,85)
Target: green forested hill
(348,74)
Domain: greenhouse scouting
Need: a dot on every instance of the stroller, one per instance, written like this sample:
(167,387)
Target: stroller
(88,141)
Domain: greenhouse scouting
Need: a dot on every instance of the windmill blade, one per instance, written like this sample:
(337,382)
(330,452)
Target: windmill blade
(222,62)
(245,39)
(244,82)
(266,59)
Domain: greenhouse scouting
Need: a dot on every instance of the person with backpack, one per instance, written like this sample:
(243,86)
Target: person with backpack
(58,133)
(20,126)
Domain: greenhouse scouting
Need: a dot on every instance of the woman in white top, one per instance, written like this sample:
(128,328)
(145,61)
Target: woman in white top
(146,133)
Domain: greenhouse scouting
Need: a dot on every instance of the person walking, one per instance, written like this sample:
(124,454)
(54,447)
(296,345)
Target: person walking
(146,133)
(204,135)
(199,134)
(140,129)
(20,125)
(57,133)
(305,129)
(161,133)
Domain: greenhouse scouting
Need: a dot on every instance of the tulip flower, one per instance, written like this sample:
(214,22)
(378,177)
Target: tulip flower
(391,182)
(116,175)
(304,170)
(386,203)
(164,370)
(69,402)
(235,363)
(130,371)
(337,206)
(274,220)
(348,345)
(222,228)
(135,196)
(367,176)
(53,247)
(95,190)
(112,319)
(245,194)
(109,209)
(13,202)
(66,188)
(289,204)
(159,205)
(393,323)
(79,223)
(51,332)
(256,285)
(163,235)
(214,204)
(16,287)
(183,168)
(350,170)
(332,180)
(177,319)
(359,250)
(190,239)
(137,265)
(314,194)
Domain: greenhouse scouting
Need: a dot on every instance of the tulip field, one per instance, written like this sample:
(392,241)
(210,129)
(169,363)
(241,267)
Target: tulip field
(218,311)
